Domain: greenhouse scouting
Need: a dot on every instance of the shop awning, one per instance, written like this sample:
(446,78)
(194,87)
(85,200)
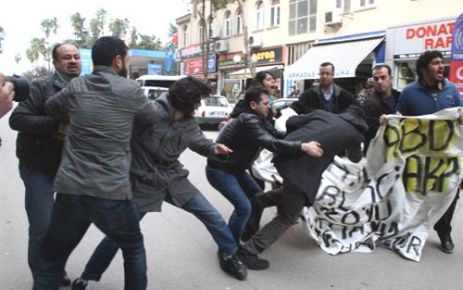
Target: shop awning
(345,56)
(245,73)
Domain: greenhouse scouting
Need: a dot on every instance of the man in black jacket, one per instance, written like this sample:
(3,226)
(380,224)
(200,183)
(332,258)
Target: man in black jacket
(335,133)
(39,146)
(245,135)
(327,96)
(384,101)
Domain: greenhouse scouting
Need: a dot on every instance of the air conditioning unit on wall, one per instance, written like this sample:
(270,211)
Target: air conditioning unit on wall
(333,17)
(221,45)
(255,41)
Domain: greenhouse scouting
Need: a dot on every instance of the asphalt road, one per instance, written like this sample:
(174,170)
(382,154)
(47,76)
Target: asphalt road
(182,255)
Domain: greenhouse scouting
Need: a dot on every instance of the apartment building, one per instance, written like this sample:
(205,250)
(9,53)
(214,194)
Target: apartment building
(292,37)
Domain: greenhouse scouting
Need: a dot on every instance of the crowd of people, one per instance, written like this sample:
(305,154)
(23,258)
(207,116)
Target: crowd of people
(94,149)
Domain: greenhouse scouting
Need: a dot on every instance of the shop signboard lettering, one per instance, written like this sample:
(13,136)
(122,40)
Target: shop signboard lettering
(414,39)
(261,57)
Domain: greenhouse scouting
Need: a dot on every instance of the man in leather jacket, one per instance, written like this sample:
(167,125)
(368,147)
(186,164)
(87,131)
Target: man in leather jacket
(39,146)
(247,133)
(383,101)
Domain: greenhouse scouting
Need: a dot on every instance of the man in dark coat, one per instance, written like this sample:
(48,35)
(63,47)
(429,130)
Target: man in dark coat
(327,96)
(383,101)
(302,174)
(39,146)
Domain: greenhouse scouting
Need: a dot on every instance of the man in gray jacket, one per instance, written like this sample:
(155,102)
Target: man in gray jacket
(157,174)
(92,182)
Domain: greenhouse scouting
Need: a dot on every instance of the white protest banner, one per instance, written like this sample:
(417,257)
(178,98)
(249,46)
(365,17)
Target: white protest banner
(412,171)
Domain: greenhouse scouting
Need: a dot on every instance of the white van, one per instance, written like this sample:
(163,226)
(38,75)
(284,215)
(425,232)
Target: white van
(156,85)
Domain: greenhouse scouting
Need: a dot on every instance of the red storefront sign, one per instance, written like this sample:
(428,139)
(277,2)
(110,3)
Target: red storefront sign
(193,66)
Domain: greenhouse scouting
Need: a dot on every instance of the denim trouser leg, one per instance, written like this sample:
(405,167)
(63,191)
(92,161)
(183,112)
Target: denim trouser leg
(67,227)
(237,188)
(39,204)
(120,223)
(289,209)
(72,215)
(214,222)
(101,258)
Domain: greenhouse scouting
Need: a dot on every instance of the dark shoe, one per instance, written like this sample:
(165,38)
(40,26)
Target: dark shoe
(251,261)
(232,265)
(65,280)
(79,284)
(446,244)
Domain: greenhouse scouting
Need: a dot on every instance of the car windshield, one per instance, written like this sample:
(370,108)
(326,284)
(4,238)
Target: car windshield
(215,101)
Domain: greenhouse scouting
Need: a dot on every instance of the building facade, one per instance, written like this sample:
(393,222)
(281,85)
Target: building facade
(292,37)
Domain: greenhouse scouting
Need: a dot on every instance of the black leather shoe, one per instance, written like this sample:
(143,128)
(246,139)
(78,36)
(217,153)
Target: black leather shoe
(79,284)
(232,265)
(251,261)
(446,244)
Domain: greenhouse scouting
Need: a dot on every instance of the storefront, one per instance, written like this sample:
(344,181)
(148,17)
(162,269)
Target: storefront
(405,43)
(235,74)
(192,64)
(352,56)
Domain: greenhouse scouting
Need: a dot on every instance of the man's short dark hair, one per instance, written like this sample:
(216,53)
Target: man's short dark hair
(424,59)
(106,48)
(185,93)
(327,64)
(380,66)
(254,94)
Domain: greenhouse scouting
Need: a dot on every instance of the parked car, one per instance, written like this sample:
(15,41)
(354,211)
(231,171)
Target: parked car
(213,110)
(281,104)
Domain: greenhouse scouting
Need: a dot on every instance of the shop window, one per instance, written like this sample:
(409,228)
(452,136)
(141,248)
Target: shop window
(185,35)
(227,24)
(202,31)
(260,15)
(344,5)
(239,28)
(405,73)
(275,13)
(302,16)
(366,3)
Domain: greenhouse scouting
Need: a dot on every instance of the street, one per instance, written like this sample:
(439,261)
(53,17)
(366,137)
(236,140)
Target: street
(182,255)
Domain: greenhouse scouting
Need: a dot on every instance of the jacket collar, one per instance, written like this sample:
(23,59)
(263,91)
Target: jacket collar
(104,69)
(60,80)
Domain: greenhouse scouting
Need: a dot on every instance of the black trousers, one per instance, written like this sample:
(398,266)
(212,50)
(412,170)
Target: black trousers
(444,224)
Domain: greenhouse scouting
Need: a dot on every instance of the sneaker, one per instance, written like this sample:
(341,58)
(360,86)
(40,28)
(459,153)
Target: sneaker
(233,266)
(79,284)
(251,261)
(65,280)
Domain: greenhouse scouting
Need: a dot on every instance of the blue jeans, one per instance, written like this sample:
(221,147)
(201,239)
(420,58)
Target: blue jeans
(199,206)
(238,188)
(39,205)
(71,217)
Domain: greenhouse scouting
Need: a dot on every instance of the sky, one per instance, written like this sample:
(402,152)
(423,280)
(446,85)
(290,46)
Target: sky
(21,19)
